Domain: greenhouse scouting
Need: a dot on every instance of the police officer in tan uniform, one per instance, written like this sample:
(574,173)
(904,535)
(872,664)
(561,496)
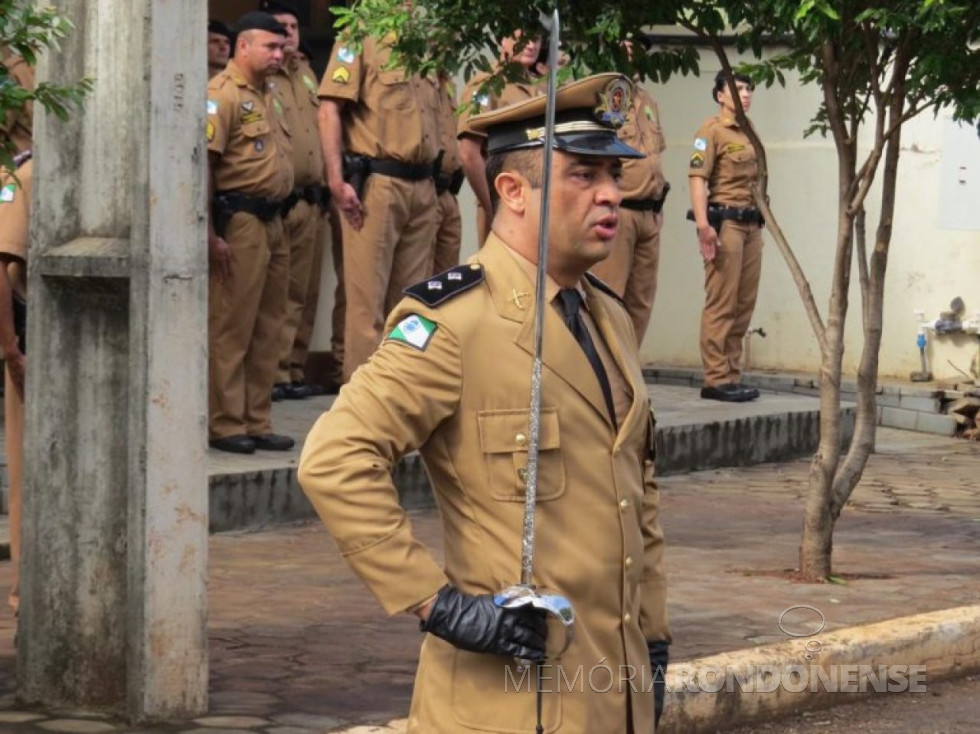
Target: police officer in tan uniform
(631,268)
(472,144)
(452,379)
(294,87)
(449,180)
(251,174)
(219,47)
(16,129)
(722,171)
(380,125)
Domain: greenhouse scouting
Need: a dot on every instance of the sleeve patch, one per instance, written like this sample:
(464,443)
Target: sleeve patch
(7,193)
(700,144)
(697,161)
(209,129)
(341,75)
(415,331)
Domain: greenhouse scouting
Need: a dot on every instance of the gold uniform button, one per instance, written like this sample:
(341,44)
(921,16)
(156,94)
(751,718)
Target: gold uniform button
(627,618)
(521,439)
(628,562)
(623,504)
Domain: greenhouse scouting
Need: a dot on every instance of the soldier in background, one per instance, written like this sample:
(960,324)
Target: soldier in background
(449,180)
(219,47)
(722,171)
(380,142)
(472,144)
(631,268)
(294,86)
(16,130)
(251,174)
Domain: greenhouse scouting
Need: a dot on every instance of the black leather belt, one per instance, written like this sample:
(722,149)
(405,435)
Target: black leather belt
(263,208)
(648,205)
(748,215)
(314,195)
(643,205)
(397,169)
(451,182)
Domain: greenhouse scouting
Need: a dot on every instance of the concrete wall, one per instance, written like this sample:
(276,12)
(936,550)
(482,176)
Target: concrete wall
(928,266)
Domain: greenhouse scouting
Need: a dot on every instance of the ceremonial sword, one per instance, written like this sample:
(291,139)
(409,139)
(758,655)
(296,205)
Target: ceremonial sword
(524,594)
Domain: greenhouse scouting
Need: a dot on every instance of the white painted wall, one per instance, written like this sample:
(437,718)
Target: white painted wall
(929,264)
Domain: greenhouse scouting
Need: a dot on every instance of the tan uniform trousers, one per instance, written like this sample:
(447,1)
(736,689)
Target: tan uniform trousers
(307,319)
(631,268)
(305,230)
(449,236)
(13,416)
(392,251)
(731,283)
(245,315)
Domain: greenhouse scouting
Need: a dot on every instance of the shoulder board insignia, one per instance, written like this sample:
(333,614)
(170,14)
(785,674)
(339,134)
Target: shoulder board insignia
(440,288)
(595,281)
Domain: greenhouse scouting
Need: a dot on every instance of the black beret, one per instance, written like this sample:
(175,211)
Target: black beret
(216,26)
(259,21)
(274,7)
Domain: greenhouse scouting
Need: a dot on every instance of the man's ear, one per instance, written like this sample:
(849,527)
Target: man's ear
(512,190)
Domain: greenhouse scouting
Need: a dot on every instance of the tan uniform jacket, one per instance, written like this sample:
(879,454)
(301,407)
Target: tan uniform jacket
(295,88)
(18,126)
(462,400)
(487,101)
(724,156)
(643,178)
(394,115)
(447,125)
(255,157)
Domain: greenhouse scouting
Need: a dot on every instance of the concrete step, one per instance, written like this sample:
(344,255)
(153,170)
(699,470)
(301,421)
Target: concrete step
(692,435)
(251,492)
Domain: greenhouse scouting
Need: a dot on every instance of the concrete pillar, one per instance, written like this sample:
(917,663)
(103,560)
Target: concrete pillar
(113,609)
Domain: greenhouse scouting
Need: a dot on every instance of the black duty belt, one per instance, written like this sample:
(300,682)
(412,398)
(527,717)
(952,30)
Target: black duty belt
(397,169)
(748,215)
(451,182)
(647,205)
(226,203)
(314,195)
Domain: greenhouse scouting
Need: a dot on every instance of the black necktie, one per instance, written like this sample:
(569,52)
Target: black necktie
(571,303)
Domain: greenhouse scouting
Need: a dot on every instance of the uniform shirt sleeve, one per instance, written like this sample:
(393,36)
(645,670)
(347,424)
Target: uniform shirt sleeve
(390,407)
(15,207)
(220,116)
(661,141)
(343,77)
(703,153)
(483,102)
(654,620)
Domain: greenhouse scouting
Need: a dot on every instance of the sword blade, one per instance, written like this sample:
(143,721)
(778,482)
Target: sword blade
(534,427)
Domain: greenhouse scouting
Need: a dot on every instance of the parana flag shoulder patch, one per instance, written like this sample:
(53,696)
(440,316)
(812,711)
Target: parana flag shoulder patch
(415,331)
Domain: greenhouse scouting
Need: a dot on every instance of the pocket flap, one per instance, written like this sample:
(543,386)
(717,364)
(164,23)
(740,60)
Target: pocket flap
(508,431)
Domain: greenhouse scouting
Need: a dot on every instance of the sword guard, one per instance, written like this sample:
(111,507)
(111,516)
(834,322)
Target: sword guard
(560,616)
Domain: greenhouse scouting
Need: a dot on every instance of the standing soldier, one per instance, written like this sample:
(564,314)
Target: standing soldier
(251,174)
(452,379)
(295,89)
(631,268)
(472,144)
(380,141)
(449,180)
(219,47)
(722,172)
(16,129)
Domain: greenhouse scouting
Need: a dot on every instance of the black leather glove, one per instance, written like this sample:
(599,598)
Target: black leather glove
(476,624)
(659,654)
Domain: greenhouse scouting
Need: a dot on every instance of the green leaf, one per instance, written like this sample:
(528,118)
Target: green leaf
(839,580)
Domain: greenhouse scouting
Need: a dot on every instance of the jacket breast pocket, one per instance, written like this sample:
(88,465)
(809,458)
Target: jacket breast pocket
(504,439)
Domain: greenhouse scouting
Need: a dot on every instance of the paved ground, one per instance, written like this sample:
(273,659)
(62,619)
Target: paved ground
(951,707)
(297,646)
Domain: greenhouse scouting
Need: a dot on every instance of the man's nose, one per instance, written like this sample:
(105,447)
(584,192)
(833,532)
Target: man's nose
(609,193)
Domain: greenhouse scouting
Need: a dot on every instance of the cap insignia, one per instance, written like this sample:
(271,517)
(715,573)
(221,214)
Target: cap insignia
(614,102)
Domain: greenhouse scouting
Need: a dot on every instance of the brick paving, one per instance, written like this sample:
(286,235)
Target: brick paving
(298,646)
